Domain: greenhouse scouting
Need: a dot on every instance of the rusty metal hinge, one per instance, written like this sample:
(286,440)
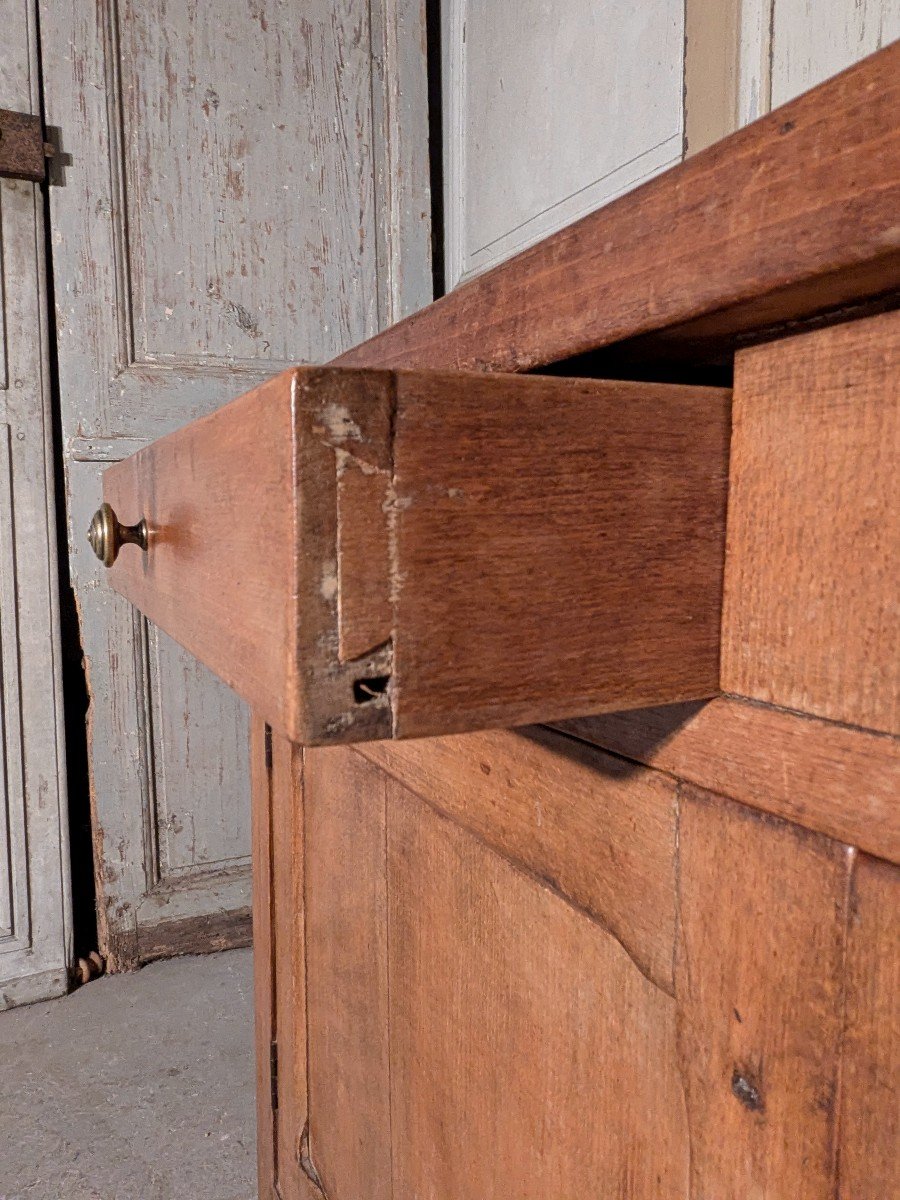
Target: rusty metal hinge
(273,1075)
(23,151)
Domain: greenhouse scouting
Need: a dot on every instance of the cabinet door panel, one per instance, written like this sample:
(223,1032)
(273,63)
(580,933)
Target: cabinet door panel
(870,1115)
(346,896)
(763,926)
(811,42)
(279,951)
(602,833)
(526,87)
(471,1032)
(529,1055)
(457,1026)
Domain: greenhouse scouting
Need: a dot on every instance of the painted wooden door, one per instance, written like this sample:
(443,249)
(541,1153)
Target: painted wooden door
(35,933)
(552,110)
(242,187)
(788,46)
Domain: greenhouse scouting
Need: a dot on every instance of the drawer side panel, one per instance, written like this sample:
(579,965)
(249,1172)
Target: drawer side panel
(218,574)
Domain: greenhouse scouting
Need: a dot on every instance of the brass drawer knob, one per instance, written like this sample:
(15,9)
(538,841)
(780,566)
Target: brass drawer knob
(108,535)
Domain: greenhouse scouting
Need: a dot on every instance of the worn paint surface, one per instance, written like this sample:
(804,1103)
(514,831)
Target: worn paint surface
(813,41)
(551,111)
(789,46)
(239,181)
(34,879)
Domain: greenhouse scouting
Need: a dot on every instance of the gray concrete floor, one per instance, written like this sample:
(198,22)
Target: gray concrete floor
(135,1087)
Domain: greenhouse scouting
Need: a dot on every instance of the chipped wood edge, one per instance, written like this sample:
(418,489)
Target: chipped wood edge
(337,416)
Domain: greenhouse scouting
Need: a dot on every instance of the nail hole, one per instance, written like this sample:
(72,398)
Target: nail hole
(367,690)
(747,1092)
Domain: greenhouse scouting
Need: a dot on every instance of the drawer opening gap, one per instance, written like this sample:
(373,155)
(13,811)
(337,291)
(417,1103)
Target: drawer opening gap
(611,363)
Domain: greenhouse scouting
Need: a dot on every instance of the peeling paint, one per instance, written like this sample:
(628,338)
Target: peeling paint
(329,582)
(339,425)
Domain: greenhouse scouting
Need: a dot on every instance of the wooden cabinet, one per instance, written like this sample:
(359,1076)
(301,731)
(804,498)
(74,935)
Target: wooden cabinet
(650,951)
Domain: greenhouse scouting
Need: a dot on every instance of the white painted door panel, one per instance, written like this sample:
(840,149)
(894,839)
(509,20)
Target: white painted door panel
(35,904)
(815,39)
(231,203)
(551,110)
(789,46)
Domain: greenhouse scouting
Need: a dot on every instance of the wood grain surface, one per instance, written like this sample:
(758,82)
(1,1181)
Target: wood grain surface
(263,961)
(559,547)
(344,422)
(533,547)
(759,980)
(218,497)
(599,832)
(546,969)
(365,614)
(279,971)
(529,1057)
(870,1085)
(485,1009)
(242,562)
(842,782)
(346,899)
(810,618)
(289,953)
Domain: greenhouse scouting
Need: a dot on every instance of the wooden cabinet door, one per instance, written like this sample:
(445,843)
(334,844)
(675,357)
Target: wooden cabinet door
(235,187)
(511,965)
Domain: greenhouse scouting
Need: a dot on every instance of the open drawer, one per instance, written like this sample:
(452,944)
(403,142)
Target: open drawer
(370,553)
